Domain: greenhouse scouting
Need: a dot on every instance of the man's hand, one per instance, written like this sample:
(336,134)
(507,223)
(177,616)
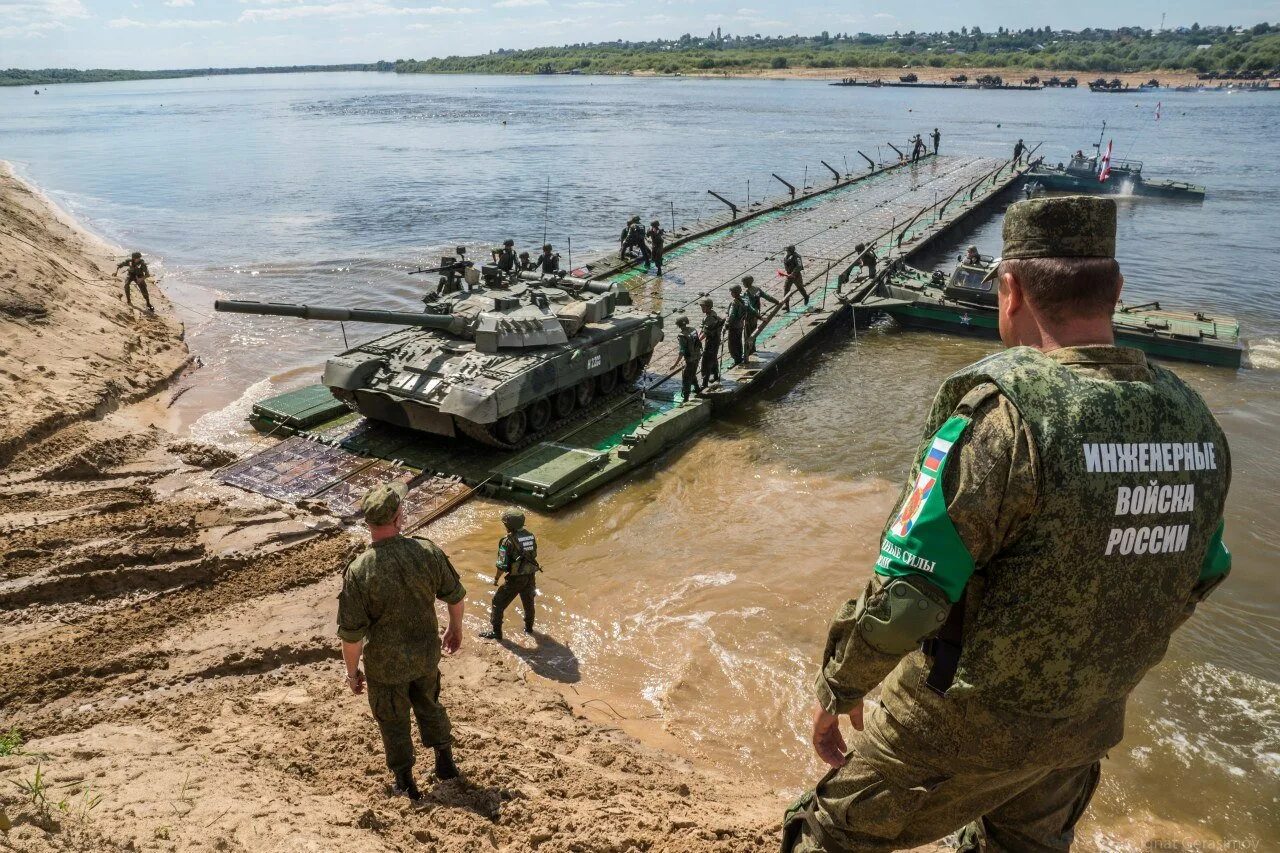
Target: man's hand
(828,742)
(356,682)
(452,640)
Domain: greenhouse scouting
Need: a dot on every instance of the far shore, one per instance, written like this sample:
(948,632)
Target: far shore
(943,75)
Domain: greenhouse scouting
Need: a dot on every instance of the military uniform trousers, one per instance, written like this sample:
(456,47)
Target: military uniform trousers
(894,797)
(736,351)
(391,705)
(749,334)
(795,280)
(524,586)
(689,379)
(711,358)
(141,282)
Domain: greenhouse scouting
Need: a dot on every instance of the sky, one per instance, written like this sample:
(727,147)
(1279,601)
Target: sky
(150,34)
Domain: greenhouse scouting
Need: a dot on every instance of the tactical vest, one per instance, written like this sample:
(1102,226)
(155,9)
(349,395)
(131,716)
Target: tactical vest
(1133,478)
(522,553)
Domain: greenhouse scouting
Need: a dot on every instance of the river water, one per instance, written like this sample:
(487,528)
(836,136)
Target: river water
(696,594)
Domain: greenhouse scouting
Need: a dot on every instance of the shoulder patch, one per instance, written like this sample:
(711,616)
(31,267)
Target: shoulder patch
(920,538)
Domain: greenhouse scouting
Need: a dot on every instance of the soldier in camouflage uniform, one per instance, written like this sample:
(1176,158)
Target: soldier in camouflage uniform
(794,268)
(755,303)
(518,562)
(505,257)
(1062,518)
(712,329)
(736,322)
(137,274)
(386,612)
(690,347)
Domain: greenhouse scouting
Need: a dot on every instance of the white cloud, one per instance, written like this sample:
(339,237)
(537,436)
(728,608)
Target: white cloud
(518,4)
(885,16)
(595,4)
(175,24)
(33,10)
(349,9)
(177,3)
(31,29)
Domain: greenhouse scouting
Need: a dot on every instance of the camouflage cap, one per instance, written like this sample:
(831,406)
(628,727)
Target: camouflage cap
(513,518)
(136,255)
(682,320)
(1075,226)
(748,280)
(381,503)
(736,288)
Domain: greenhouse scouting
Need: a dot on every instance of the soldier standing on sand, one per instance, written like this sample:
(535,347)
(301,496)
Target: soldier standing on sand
(755,303)
(518,561)
(690,347)
(712,326)
(794,268)
(736,322)
(936,137)
(1063,517)
(386,612)
(657,239)
(136,274)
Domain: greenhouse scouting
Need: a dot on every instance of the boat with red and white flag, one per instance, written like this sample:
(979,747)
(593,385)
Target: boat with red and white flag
(1103,173)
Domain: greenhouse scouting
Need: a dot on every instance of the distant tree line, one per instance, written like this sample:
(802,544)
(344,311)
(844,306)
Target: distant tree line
(49,76)
(1128,49)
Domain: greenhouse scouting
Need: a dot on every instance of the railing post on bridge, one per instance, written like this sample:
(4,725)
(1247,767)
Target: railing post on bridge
(732,206)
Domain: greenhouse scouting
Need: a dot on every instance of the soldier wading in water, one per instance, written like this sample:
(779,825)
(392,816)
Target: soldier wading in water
(518,562)
(386,612)
(1062,518)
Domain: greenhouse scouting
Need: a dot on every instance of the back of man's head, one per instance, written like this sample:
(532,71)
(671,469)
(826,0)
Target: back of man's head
(1061,252)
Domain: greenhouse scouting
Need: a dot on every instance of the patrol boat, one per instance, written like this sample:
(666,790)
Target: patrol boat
(963,303)
(1080,175)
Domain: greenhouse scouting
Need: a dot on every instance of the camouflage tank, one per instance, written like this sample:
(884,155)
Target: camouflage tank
(502,362)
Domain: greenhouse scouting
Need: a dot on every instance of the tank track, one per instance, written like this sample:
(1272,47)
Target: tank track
(481,434)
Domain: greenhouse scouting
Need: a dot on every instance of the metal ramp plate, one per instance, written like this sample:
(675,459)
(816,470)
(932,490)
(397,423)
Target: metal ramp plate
(294,469)
(549,467)
(301,408)
(424,499)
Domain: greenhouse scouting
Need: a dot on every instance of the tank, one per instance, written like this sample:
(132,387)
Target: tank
(501,362)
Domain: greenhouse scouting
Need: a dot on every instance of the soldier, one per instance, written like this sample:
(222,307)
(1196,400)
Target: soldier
(690,346)
(1046,546)
(755,298)
(866,259)
(656,241)
(794,268)
(634,239)
(712,326)
(518,561)
(505,258)
(386,611)
(136,274)
(936,137)
(548,261)
(1018,148)
(736,322)
(527,264)
(971,256)
(917,148)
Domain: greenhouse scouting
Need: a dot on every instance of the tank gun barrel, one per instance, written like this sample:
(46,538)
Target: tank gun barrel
(444,322)
(552,280)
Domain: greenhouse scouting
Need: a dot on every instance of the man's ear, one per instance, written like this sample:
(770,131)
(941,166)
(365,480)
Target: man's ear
(1011,293)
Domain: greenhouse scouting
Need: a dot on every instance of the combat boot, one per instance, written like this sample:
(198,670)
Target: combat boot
(405,786)
(528,626)
(445,768)
(494,633)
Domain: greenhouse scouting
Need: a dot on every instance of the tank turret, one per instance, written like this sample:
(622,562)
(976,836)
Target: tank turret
(502,364)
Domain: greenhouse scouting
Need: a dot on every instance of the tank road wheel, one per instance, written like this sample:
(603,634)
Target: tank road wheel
(539,415)
(564,402)
(631,371)
(607,383)
(511,429)
(584,393)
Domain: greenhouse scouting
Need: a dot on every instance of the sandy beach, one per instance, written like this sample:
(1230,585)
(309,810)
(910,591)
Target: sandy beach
(172,678)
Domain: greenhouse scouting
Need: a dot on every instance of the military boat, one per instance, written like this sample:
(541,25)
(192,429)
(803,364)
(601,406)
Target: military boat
(1080,174)
(503,359)
(962,303)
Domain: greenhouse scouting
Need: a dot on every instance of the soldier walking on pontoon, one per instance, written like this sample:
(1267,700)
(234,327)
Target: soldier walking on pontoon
(755,302)
(712,327)
(936,137)
(517,567)
(1018,149)
(690,347)
(866,259)
(136,274)
(657,239)
(794,269)
(736,323)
